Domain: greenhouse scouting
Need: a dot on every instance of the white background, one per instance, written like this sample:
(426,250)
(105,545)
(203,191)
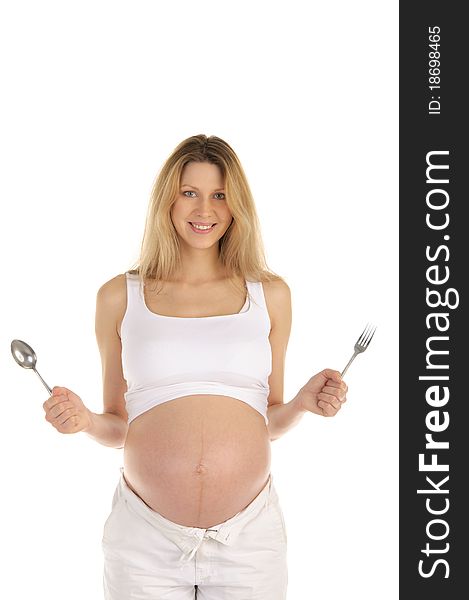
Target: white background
(95,97)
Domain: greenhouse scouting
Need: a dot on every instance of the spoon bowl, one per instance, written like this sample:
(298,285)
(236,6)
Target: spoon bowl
(23,354)
(25,357)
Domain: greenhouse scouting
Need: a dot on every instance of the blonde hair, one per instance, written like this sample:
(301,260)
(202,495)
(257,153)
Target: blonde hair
(241,249)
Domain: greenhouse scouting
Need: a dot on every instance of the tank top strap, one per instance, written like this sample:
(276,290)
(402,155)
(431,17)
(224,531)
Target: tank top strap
(134,297)
(256,294)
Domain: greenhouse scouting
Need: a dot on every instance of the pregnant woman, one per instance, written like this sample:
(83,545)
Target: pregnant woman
(193,342)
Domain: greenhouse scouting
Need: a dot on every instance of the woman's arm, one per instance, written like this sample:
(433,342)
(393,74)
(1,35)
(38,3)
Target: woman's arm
(110,427)
(282,417)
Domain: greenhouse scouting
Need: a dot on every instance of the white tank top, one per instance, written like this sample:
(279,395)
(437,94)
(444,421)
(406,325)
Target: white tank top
(164,357)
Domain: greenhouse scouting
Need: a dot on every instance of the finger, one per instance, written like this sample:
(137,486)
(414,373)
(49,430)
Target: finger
(327,409)
(56,410)
(69,426)
(332,374)
(339,392)
(53,401)
(51,410)
(336,384)
(329,399)
(65,416)
(57,390)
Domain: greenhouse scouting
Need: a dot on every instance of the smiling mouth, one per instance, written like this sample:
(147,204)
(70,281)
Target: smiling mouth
(202,226)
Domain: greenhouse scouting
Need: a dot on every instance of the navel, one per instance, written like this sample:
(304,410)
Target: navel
(200,469)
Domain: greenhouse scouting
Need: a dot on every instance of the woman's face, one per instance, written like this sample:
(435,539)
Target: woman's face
(201,201)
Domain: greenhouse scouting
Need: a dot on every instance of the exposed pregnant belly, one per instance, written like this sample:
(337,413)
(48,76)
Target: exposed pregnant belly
(198,460)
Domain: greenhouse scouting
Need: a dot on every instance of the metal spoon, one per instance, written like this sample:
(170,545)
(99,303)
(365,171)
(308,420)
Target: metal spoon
(25,356)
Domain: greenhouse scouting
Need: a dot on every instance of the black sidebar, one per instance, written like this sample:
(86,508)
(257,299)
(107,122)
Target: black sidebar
(434,334)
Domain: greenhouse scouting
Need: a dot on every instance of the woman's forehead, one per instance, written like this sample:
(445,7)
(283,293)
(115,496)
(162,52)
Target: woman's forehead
(201,171)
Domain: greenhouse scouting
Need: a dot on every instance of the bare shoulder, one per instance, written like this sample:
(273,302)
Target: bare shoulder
(113,291)
(277,292)
(278,299)
(111,299)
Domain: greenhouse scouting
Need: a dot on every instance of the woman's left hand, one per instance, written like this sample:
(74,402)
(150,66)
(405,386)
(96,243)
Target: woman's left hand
(324,393)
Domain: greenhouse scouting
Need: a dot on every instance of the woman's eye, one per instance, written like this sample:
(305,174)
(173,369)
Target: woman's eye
(192,192)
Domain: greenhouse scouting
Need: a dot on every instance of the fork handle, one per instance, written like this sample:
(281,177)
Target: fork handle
(348,364)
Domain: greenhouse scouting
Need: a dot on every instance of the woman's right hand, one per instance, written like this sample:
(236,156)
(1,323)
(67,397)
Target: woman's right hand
(66,412)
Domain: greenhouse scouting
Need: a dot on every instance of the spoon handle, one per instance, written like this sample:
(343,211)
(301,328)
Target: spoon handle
(47,387)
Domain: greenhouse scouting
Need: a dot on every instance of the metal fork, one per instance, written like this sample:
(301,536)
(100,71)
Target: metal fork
(361,344)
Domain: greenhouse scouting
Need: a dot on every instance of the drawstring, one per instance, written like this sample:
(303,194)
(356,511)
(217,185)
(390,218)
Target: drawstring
(191,555)
(187,558)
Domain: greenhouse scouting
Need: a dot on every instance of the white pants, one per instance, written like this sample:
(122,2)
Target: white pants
(148,557)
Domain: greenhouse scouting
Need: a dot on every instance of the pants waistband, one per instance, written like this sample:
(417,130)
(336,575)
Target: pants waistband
(188,539)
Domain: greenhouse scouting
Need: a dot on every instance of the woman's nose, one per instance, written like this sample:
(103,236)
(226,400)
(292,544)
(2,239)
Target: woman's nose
(204,204)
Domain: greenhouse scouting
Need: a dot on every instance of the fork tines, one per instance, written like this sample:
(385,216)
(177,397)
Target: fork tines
(366,336)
